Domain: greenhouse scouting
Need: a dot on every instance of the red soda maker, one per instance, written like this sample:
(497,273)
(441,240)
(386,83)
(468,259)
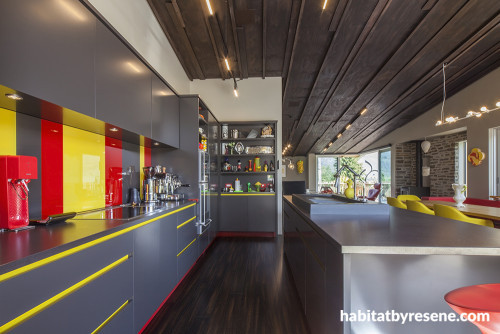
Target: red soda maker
(16,171)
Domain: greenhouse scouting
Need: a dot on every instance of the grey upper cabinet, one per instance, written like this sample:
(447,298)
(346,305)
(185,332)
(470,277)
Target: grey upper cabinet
(48,51)
(123,85)
(164,113)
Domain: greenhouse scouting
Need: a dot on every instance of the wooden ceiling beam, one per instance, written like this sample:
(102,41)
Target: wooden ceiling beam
(337,15)
(243,53)
(454,55)
(215,49)
(264,37)
(292,53)
(292,32)
(160,17)
(185,40)
(235,36)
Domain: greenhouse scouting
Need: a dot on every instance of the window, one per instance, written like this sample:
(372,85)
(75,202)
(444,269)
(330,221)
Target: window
(374,167)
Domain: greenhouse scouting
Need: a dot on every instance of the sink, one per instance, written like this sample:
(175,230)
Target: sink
(122,212)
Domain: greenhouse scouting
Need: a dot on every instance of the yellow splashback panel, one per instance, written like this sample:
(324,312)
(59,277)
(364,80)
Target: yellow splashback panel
(83,170)
(8,132)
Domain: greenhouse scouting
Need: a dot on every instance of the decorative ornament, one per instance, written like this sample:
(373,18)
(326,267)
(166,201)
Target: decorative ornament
(300,166)
(476,156)
(425,145)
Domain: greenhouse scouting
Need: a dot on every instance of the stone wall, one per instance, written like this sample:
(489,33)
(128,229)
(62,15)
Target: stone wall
(406,165)
(443,162)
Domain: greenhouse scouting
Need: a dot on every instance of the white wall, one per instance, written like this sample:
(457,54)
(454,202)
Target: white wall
(259,99)
(483,92)
(135,21)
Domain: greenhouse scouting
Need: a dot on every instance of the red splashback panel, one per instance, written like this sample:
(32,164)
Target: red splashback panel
(147,156)
(52,168)
(114,177)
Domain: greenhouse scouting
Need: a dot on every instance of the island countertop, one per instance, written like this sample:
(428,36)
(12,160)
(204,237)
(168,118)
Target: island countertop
(401,232)
(24,247)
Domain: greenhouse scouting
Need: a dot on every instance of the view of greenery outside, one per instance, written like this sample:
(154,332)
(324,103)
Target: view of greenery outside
(367,165)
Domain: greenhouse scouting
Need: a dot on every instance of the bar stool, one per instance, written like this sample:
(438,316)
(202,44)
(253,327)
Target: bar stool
(447,211)
(395,203)
(418,207)
(474,299)
(408,197)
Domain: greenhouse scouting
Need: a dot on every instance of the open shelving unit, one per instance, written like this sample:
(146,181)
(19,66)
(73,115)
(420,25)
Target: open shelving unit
(245,211)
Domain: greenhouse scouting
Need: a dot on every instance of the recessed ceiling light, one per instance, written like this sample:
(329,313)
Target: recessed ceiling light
(14,97)
(330,144)
(363,111)
(113,129)
(339,135)
(209,7)
(348,126)
(156,143)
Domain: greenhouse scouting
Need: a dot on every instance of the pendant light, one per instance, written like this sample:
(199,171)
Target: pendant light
(425,145)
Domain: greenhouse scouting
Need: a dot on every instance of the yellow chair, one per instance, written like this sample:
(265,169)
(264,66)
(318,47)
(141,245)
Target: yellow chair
(451,212)
(418,207)
(409,197)
(395,203)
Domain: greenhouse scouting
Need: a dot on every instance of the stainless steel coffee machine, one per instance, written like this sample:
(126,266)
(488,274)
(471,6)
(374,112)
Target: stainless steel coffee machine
(149,185)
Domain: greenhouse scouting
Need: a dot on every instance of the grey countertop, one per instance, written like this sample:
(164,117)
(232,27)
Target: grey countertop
(24,247)
(403,232)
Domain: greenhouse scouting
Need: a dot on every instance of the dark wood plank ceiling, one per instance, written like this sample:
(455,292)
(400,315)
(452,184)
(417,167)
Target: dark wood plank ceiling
(383,55)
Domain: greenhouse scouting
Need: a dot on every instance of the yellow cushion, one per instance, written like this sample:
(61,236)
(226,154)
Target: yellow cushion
(395,203)
(408,197)
(418,207)
(453,213)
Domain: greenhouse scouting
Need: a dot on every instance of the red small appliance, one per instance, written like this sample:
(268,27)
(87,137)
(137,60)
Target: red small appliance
(16,171)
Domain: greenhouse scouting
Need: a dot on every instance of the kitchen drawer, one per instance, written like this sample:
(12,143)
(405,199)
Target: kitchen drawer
(186,214)
(29,289)
(186,232)
(186,259)
(84,310)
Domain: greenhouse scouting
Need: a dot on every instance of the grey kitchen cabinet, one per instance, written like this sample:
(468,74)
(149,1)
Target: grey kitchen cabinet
(122,83)
(187,246)
(233,213)
(164,113)
(84,309)
(168,255)
(261,211)
(146,273)
(48,51)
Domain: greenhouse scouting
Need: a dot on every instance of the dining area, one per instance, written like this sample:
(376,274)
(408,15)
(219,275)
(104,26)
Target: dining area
(474,211)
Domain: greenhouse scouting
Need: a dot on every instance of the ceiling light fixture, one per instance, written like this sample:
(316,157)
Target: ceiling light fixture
(113,129)
(363,111)
(348,126)
(339,135)
(156,144)
(227,64)
(470,113)
(209,7)
(324,4)
(14,97)
(235,89)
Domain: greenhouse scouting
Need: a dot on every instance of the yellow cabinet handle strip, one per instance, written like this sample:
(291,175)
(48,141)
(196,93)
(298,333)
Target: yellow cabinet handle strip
(58,256)
(182,251)
(186,222)
(63,294)
(98,329)
(249,194)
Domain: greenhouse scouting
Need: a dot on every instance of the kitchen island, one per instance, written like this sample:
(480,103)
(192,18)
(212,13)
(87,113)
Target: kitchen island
(97,270)
(402,261)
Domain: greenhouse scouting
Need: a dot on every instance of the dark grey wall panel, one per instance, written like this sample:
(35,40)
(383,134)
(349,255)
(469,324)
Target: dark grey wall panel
(164,113)
(123,85)
(28,142)
(130,157)
(48,51)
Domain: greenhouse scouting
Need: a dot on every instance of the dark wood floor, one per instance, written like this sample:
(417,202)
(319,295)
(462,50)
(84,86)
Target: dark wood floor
(241,285)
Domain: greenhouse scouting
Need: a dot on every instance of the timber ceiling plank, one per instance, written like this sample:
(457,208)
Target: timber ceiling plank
(253,36)
(440,47)
(278,21)
(420,36)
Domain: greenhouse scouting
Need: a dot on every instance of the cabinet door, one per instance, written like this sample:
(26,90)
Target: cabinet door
(168,255)
(234,214)
(261,213)
(164,114)
(123,85)
(48,51)
(315,293)
(186,259)
(146,273)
